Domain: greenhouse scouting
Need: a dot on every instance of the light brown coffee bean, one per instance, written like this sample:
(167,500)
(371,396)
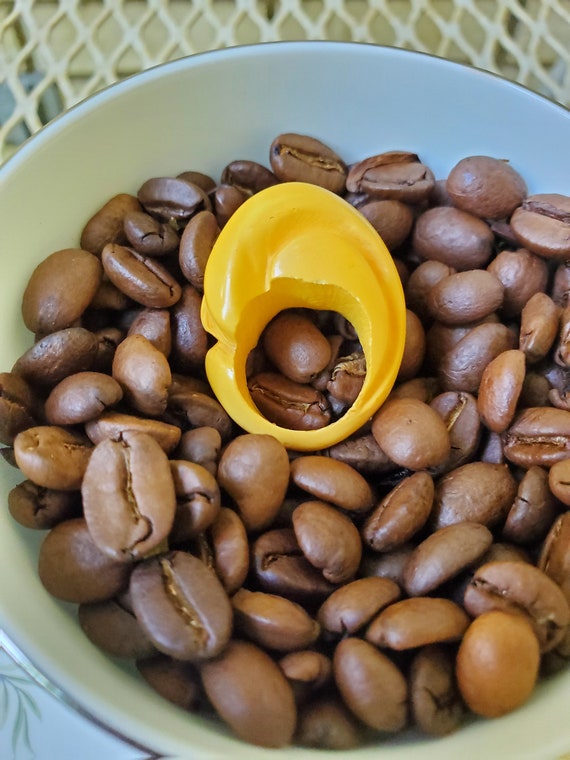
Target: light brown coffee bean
(418,621)
(540,224)
(353,605)
(332,481)
(392,219)
(411,433)
(465,297)
(443,555)
(453,237)
(72,568)
(522,274)
(497,663)
(52,456)
(273,622)
(307,670)
(114,424)
(414,348)
(254,471)
(520,588)
(486,186)
(371,685)
(128,495)
(81,397)
(479,492)
(250,693)
(538,436)
(400,514)
(296,346)
(500,389)
(181,606)
(329,540)
(144,374)
(540,319)
(107,224)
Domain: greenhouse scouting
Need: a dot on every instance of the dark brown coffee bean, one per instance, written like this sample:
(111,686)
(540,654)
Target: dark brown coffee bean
(248,176)
(114,629)
(332,481)
(352,606)
(229,549)
(197,500)
(554,559)
(19,408)
(106,225)
(436,705)
(296,346)
(149,236)
(169,198)
(396,175)
(461,417)
(486,186)
(141,278)
(42,508)
(392,220)
(143,373)
(290,405)
(326,723)
(189,338)
(538,436)
(196,243)
(534,508)
(522,274)
(500,389)
(178,682)
(453,237)
(295,157)
(465,297)
(540,319)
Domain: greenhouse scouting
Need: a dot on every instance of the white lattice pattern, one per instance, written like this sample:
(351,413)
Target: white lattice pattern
(54,54)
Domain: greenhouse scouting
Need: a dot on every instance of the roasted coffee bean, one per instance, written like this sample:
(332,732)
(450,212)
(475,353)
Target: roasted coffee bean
(171,198)
(114,425)
(453,237)
(423,278)
(522,274)
(198,499)
(436,704)
(107,224)
(154,325)
(497,663)
(540,318)
(59,290)
(371,685)
(273,622)
(248,176)
(72,568)
(465,297)
(396,175)
(486,186)
(554,559)
(307,670)
(411,433)
(129,499)
(443,555)
(288,404)
(461,417)
(280,567)
(538,436)
(500,388)
(52,456)
(58,355)
(226,200)
(328,539)
(541,223)
(149,236)
(189,338)
(196,243)
(177,681)
(181,606)
(229,550)
(352,606)
(400,514)
(19,408)
(81,397)
(296,346)
(114,629)
(295,157)
(250,693)
(520,588)
(332,481)
(476,492)
(326,723)
(392,220)
(42,508)
(254,471)
(139,277)
(534,509)
(195,409)
(362,453)
(143,373)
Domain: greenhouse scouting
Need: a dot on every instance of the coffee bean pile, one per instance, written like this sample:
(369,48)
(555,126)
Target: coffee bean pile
(406,577)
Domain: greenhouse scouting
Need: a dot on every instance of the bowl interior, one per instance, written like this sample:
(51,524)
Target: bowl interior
(200,113)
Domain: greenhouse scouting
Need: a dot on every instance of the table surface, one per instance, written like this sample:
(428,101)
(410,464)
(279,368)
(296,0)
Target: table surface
(35,724)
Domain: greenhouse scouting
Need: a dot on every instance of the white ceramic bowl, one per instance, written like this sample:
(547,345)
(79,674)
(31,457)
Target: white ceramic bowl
(200,113)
